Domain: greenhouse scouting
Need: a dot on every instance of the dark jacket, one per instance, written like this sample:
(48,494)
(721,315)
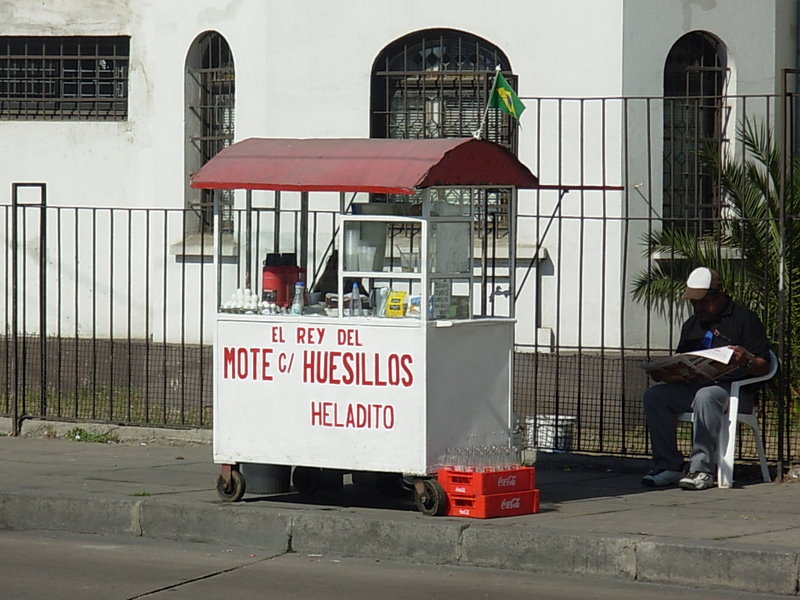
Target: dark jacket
(736,325)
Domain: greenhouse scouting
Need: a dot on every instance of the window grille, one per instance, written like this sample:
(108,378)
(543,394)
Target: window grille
(435,84)
(694,81)
(64,78)
(214,108)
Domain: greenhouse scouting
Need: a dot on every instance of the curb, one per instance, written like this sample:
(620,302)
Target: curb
(122,433)
(513,544)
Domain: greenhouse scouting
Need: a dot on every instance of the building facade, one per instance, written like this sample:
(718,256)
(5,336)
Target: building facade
(113,104)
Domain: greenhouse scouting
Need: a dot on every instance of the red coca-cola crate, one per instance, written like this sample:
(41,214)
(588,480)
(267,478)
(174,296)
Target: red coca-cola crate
(477,483)
(493,505)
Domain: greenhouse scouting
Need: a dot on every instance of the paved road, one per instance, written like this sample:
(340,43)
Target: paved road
(44,565)
(594,522)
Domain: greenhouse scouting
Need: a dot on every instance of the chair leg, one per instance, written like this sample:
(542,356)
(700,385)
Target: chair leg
(762,456)
(726,451)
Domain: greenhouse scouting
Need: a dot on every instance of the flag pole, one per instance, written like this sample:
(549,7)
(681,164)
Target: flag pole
(477,134)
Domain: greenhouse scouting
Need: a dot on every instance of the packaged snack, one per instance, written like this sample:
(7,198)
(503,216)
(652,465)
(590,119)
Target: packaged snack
(396,304)
(414,306)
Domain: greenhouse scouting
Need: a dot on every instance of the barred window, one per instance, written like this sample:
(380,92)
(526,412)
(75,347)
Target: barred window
(64,78)
(435,84)
(210,118)
(694,108)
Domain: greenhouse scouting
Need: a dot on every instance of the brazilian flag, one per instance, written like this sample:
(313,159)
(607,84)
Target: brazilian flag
(504,98)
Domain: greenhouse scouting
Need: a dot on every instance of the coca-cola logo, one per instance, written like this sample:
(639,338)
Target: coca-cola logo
(508,481)
(510,504)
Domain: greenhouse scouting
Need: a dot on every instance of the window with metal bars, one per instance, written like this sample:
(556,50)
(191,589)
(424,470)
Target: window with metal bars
(212,107)
(434,84)
(64,78)
(694,108)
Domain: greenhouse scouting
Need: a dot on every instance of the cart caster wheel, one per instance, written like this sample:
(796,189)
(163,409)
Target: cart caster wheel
(307,480)
(233,490)
(430,497)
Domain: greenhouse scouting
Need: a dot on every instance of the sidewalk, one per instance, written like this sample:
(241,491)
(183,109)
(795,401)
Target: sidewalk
(593,521)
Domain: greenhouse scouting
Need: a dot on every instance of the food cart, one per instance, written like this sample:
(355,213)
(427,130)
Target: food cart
(386,370)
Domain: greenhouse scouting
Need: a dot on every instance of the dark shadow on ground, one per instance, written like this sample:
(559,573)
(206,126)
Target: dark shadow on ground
(566,478)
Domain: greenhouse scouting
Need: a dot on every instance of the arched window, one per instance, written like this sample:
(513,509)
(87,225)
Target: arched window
(435,83)
(210,115)
(694,82)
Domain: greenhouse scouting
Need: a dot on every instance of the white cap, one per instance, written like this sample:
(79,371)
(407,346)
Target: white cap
(700,282)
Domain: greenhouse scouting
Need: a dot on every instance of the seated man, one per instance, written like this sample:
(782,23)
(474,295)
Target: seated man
(718,320)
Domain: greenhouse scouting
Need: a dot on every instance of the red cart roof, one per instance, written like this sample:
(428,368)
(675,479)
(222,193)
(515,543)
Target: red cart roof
(362,165)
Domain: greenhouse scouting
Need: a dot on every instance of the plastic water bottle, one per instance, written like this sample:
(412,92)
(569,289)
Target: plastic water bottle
(355,302)
(299,298)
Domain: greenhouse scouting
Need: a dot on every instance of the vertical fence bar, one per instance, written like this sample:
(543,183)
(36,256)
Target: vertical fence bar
(14,313)
(43,300)
(164,312)
(581,249)
(93,213)
(111,306)
(59,309)
(784,149)
(147,325)
(76,311)
(201,294)
(7,352)
(182,399)
(129,309)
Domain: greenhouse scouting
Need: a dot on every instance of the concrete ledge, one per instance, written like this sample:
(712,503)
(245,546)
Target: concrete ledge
(536,549)
(226,524)
(124,433)
(423,540)
(89,514)
(761,569)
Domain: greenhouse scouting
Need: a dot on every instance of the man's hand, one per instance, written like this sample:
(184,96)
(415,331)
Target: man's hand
(749,361)
(741,357)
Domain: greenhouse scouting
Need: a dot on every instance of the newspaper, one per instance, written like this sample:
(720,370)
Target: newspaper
(696,367)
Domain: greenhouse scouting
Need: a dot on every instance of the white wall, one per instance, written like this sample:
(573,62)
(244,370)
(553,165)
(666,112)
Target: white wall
(303,70)
(759,38)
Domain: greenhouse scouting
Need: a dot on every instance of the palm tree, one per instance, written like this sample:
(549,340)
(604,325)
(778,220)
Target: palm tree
(746,246)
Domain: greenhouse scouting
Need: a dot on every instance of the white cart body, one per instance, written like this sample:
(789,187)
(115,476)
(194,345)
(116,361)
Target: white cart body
(365,393)
(366,396)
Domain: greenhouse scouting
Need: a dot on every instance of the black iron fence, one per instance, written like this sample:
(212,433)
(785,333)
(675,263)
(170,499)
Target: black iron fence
(608,266)
(109,312)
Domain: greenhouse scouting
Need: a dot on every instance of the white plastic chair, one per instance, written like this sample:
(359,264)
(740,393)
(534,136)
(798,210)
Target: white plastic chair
(727,435)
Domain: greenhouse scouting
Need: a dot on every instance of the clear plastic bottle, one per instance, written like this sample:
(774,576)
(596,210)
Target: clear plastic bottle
(355,302)
(298,303)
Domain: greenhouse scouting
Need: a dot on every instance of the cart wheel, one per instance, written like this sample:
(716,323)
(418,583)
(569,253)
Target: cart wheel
(307,480)
(430,497)
(233,490)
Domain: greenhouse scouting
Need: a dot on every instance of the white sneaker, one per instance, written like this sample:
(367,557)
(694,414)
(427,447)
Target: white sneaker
(661,478)
(697,481)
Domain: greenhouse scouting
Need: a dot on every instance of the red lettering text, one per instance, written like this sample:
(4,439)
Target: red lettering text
(326,367)
(352,416)
(247,363)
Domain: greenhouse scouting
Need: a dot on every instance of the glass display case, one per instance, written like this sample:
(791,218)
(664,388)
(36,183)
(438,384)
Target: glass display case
(405,268)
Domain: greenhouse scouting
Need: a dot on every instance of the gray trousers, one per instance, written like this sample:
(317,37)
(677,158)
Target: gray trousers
(662,405)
